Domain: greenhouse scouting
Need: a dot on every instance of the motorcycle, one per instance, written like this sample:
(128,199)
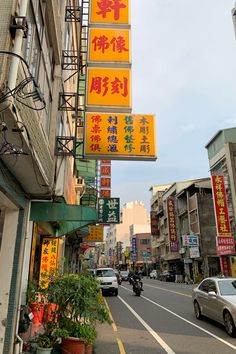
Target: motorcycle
(137,287)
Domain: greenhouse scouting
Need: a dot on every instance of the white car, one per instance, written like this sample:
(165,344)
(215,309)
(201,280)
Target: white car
(216,298)
(153,274)
(107,280)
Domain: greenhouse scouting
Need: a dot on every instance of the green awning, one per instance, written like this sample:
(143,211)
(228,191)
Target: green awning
(63,218)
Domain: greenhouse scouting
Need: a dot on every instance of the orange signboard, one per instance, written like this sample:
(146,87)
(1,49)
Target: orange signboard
(48,262)
(109,45)
(109,87)
(120,136)
(95,234)
(109,11)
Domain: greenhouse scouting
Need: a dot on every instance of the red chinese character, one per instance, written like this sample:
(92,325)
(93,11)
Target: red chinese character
(96,129)
(96,119)
(117,85)
(95,147)
(118,44)
(100,43)
(96,138)
(106,6)
(98,83)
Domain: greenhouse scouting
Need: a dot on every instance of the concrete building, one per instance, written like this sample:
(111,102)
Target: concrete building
(42,170)
(193,214)
(132,213)
(221,151)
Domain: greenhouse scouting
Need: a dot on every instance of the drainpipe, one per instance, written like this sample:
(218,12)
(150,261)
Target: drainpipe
(17,48)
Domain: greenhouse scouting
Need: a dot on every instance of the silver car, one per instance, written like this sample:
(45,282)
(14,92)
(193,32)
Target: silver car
(216,298)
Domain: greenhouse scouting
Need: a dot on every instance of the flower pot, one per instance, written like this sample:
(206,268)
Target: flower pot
(37,309)
(50,313)
(72,345)
(44,350)
(88,349)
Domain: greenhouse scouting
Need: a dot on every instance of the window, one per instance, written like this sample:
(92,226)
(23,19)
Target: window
(144,241)
(208,285)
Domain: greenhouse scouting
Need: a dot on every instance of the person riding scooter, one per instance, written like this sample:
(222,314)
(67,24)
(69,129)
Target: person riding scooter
(137,277)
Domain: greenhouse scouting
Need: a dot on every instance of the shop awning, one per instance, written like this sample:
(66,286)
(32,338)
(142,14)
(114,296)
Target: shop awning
(63,218)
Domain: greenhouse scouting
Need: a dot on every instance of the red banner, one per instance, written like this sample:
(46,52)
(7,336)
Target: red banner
(172,224)
(154,223)
(225,242)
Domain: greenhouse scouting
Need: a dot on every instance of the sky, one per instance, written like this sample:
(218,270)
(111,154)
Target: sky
(184,72)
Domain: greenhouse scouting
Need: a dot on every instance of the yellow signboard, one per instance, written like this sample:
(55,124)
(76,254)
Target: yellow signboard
(109,11)
(48,262)
(95,234)
(109,87)
(109,45)
(120,136)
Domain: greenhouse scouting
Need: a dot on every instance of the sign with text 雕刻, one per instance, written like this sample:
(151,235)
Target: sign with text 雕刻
(48,261)
(109,210)
(108,87)
(119,136)
(109,45)
(109,11)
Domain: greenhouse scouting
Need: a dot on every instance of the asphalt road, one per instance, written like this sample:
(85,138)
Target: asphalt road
(162,320)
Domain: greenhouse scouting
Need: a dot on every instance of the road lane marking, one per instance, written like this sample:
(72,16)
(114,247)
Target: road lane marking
(163,344)
(171,291)
(187,321)
(114,327)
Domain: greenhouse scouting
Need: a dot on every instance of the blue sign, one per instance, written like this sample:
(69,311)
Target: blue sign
(193,240)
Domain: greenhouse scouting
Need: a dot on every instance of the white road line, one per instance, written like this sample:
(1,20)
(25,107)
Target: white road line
(149,329)
(170,291)
(187,321)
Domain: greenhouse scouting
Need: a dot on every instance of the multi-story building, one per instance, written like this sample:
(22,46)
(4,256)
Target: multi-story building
(192,219)
(42,170)
(132,213)
(221,151)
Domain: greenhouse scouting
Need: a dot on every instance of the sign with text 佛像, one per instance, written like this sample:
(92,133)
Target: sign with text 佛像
(48,261)
(109,45)
(119,136)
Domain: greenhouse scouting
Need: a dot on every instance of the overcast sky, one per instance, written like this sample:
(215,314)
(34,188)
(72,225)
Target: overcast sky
(184,72)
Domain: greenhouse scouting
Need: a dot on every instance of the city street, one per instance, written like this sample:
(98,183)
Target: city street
(162,320)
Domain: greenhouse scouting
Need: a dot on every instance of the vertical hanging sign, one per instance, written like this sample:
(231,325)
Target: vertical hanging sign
(48,261)
(172,224)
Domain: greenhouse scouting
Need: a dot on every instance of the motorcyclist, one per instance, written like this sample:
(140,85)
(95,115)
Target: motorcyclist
(137,277)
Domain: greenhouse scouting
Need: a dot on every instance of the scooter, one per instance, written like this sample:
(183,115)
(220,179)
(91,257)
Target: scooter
(137,287)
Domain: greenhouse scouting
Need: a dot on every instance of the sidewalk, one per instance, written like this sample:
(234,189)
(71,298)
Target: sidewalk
(106,342)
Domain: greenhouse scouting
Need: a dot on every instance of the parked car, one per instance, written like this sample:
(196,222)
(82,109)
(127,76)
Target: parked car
(216,298)
(124,275)
(153,274)
(107,280)
(167,275)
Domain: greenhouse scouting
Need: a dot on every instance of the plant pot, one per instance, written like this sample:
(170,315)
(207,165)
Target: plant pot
(37,309)
(50,313)
(72,345)
(44,350)
(88,349)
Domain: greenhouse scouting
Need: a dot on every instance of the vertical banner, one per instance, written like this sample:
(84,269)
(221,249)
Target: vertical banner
(154,223)
(170,202)
(48,262)
(225,242)
(105,179)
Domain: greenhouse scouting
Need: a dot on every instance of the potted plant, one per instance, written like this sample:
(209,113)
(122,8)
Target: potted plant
(79,307)
(45,343)
(36,301)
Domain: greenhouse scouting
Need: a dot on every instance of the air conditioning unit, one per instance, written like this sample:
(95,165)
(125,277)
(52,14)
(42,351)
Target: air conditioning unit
(79,185)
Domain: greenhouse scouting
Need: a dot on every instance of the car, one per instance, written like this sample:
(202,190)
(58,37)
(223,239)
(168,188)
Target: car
(124,275)
(215,298)
(167,275)
(153,274)
(107,280)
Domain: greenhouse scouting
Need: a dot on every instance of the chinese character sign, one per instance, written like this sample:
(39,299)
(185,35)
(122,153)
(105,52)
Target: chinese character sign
(109,210)
(109,87)
(48,262)
(120,136)
(95,234)
(109,45)
(109,11)
(221,208)
(170,203)
(154,223)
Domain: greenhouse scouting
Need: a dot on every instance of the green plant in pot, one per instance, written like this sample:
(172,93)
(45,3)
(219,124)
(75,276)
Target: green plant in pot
(79,308)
